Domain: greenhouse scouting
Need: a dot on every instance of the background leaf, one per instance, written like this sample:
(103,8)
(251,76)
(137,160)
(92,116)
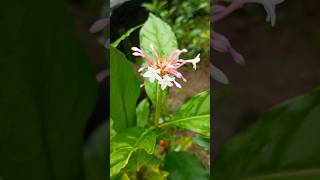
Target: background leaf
(282,145)
(141,159)
(111,129)
(202,142)
(48,92)
(185,166)
(96,154)
(143,110)
(156,32)
(124,91)
(194,115)
(124,144)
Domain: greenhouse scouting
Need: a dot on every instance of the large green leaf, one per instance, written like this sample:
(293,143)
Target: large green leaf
(185,166)
(124,144)
(156,32)
(143,110)
(283,144)
(194,115)
(48,92)
(124,91)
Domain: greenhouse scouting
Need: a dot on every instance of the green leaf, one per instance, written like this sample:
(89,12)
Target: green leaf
(124,91)
(141,159)
(155,173)
(283,144)
(194,115)
(124,36)
(48,92)
(185,166)
(95,154)
(143,110)
(124,144)
(202,142)
(112,131)
(156,32)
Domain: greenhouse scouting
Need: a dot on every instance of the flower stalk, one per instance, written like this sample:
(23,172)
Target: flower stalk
(158,109)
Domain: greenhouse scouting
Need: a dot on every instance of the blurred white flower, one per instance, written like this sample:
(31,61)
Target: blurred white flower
(166,81)
(152,74)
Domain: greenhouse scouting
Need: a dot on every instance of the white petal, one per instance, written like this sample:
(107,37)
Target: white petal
(177,84)
(163,86)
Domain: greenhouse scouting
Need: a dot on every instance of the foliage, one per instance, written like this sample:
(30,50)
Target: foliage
(48,92)
(185,166)
(141,135)
(190,20)
(282,145)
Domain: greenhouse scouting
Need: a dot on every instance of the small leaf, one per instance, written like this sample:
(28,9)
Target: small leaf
(124,91)
(185,166)
(283,144)
(125,35)
(124,144)
(194,115)
(143,110)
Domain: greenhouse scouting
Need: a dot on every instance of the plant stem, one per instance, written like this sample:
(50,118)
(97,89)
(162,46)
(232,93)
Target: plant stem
(157,113)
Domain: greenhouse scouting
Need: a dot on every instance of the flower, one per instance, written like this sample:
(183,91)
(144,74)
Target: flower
(152,74)
(194,61)
(166,81)
(164,69)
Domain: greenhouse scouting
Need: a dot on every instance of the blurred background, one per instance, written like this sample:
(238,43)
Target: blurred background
(281,62)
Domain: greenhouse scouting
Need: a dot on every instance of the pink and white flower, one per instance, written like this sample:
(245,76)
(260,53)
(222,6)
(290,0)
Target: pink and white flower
(164,69)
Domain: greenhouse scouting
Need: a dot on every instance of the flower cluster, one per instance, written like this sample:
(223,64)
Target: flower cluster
(164,69)
(220,43)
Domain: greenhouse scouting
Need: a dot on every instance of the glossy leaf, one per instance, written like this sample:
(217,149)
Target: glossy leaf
(124,144)
(124,91)
(194,115)
(185,166)
(156,32)
(282,145)
(48,92)
(143,110)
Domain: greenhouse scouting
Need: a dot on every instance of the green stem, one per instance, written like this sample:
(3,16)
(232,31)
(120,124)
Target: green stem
(157,113)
